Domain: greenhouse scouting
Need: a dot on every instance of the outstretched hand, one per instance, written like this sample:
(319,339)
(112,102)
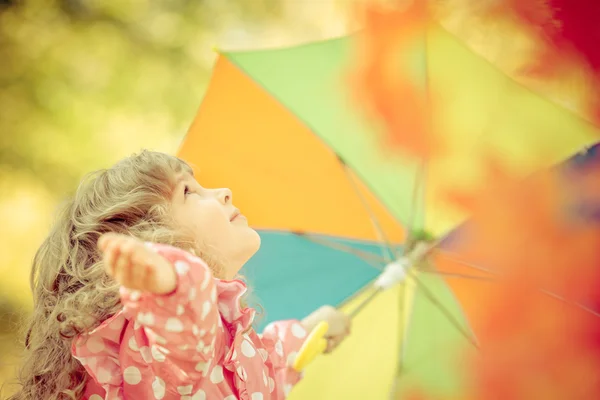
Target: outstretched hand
(135,266)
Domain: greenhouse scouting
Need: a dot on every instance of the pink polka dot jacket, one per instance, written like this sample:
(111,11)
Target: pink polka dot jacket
(194,344)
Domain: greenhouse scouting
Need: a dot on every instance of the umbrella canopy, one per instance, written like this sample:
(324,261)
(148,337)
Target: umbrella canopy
(311,174)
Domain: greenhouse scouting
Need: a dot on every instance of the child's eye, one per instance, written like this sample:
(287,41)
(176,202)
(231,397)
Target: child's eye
(186,190)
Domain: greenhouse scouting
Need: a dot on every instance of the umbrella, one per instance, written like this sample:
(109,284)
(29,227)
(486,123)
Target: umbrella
(333,205)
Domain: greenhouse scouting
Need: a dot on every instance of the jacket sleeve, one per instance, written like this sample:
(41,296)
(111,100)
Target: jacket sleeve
(282,340)
(182,329)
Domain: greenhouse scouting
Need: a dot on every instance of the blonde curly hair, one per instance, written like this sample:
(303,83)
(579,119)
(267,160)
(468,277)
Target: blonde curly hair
(72,293)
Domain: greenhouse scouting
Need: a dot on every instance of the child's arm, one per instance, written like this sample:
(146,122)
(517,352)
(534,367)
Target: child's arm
(171,296)
(283,340)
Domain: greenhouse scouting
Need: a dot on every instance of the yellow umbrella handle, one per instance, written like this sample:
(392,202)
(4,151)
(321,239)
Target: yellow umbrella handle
(314,345)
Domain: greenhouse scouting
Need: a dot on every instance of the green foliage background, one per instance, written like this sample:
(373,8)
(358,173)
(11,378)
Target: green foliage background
(84,83)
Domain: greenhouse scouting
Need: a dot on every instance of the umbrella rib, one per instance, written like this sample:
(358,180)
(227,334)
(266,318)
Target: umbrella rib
(386,246)
(542,290)
(372,259)
(402,327)
(447,253)
(456,275)
(566,301)
(443,309)
(413,207)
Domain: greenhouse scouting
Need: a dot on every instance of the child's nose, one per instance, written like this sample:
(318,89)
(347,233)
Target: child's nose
(225,196)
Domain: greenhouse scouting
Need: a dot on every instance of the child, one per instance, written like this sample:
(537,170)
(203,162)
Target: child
(135,296)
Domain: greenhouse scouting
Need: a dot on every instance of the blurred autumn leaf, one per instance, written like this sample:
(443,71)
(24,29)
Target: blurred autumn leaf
(84,83)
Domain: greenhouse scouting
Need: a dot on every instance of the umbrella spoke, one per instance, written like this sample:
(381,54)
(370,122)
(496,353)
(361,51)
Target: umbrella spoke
(447,253)
(402,327)
(373,260)
(569,302)
(386,246)
(420,176)
(431,297)
(542,290)
(463,276)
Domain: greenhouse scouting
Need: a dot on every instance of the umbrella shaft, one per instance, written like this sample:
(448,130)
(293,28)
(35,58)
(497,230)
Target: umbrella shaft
(365,302)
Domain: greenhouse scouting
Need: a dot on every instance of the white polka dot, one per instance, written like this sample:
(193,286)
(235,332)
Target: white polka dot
(291,358)
(183,347)
(271,385)
(279,348)
(195,330)
(213,329)
(184,389)
(200,346)
(159,301)
(174,325)
(257,396)
(242,373)
(146,319)
(265,378)
(103,375)
(263,354)
(132,375)
(202,367)
(234,355)
(158,387)
(192,295)
(213,294)
(247,349)
(269,328)
(181,267)
(133,344)
(205,281)
(157,354)
(92,363)
(159,339)
(96,397)
(216,376)
(146,354)
(202,332)
(230,397)
(199,395)
(287,388)
(135,295)
(95,345)
(163,350)
(205,309)
(179,310)
(136,325)
(298,331)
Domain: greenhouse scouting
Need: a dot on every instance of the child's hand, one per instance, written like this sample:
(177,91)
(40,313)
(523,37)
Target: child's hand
(339,325)
(135,266)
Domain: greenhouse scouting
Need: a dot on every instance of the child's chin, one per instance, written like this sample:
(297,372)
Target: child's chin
(256,241)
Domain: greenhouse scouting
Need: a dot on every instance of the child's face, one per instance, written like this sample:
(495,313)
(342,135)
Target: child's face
(216,224)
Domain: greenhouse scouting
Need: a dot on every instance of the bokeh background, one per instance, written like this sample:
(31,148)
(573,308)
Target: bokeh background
(84,83)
